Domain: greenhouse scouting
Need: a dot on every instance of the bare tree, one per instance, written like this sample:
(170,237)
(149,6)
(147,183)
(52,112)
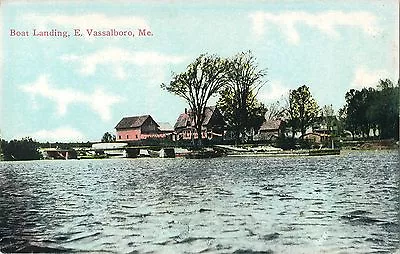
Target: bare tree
(275,110)
(202,79)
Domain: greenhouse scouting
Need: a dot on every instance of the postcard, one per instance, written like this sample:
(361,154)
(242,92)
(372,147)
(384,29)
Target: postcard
(199,126)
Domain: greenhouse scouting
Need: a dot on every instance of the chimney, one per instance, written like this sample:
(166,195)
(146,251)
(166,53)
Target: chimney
(185,110)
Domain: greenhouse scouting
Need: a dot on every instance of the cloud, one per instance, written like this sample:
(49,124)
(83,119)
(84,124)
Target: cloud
(86,21)
(119,59)
(364,77)
(326,22)
(273,91)
(99,101)
(61,134)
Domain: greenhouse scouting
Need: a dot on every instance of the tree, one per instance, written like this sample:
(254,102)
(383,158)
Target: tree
(328,117)
(341,121)
(24,149)
(371,108)
(372,113)
(303,109)
(202,79)
(228,106)
(275,110)
(387,109)
(350,112)
(357,104)
(242,111)
(108,137)
(3,144)
(1,147)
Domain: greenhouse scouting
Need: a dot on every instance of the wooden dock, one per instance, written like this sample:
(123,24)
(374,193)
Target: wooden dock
(286,153)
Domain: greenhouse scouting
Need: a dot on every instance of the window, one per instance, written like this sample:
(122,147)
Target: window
(127,136)
(119,137)
(136,136)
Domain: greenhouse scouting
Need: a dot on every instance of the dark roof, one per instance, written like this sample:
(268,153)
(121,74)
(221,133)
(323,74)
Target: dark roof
(271,125)
(132,122)
(182,121)
(208,114)
(185,120)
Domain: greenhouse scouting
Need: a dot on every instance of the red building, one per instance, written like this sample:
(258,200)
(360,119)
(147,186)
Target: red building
(137,128)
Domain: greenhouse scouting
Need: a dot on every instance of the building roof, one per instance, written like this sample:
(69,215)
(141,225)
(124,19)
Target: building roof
(208,114)
(165,126)
(132,122)
(271,125)
(185,120)
(182,121)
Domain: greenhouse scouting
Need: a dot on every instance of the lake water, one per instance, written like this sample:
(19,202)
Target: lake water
(331,204)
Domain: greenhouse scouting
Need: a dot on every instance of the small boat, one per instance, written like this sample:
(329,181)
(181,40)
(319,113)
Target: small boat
(203,154)
(327,151)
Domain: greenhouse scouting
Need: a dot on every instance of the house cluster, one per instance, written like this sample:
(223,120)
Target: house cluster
(143,127)
(274,128)
(137,128)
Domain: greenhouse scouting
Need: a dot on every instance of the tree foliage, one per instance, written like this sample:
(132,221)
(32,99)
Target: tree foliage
(255,114)
(24,149)
(373,109)
(329,119)
(238,102)
(108,137)
(356,108)
(202,79)
(303,109)
(386,112)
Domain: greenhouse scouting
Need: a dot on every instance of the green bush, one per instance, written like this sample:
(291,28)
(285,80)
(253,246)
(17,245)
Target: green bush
(24,149)
(306,144)
(286,143)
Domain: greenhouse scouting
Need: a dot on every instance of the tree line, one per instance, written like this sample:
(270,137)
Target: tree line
(238,79)
(24,149)
(373,111)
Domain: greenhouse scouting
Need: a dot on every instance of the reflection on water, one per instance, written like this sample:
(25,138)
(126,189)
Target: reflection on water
(335,204)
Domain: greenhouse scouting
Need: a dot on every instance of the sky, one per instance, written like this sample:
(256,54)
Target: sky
(77,87)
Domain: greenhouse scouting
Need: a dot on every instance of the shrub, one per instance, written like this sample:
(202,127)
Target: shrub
(24,149)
